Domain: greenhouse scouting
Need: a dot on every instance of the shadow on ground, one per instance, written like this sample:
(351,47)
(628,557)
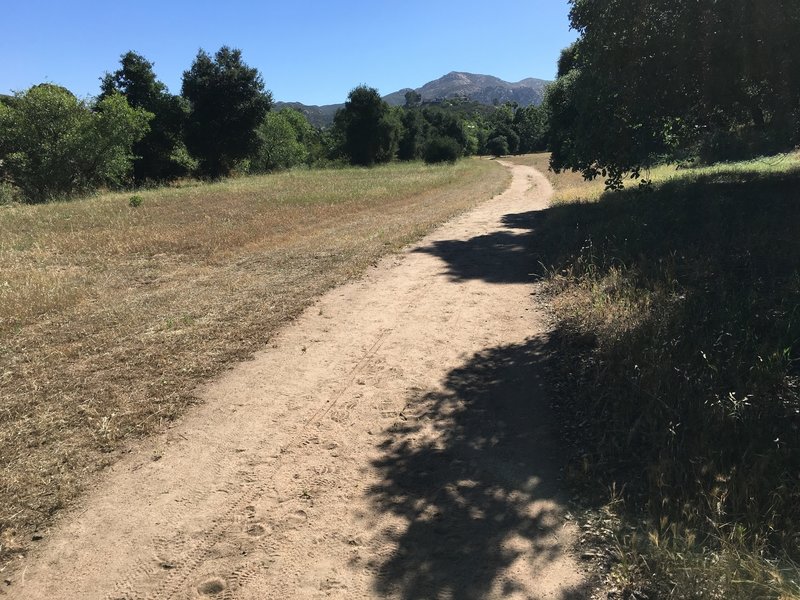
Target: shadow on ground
(503,256)
(473,470)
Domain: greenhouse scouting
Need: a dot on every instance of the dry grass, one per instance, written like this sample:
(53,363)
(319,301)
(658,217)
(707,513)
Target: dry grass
(111,315)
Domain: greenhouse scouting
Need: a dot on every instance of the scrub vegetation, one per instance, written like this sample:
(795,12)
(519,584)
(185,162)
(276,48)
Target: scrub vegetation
(678,336)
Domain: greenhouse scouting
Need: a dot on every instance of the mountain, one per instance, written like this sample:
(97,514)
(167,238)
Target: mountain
(479,88)
(318,116)
(485,89)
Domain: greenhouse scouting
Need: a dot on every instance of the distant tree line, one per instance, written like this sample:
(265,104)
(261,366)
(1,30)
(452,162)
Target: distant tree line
(702,80)
(370,131)
(135,132)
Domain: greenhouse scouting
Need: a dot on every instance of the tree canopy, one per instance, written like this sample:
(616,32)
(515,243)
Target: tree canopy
(56,146)
(228,102)
(158,152)
(712,79)
(370,128)
(285,138)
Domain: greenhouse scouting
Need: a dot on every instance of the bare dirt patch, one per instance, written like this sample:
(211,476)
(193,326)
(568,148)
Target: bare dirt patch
(392,442)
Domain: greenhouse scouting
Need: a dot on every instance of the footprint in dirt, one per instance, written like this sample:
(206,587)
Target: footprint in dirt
(211,587)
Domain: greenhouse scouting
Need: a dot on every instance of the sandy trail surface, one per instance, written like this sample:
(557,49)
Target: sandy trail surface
(392,442)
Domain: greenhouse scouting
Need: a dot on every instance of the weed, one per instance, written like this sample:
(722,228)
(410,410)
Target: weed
(8,194)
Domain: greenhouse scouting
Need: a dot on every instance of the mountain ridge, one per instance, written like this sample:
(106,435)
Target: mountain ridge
(485,89)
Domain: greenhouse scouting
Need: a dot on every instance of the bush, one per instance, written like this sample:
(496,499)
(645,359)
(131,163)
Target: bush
(442,149)
(8,195)
(497,146)
(56,146)
(281,147)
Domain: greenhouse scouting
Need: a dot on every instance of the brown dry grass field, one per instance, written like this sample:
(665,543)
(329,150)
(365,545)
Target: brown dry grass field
(111,315)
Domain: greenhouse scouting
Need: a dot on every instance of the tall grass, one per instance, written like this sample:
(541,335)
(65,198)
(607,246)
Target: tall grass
(679,307)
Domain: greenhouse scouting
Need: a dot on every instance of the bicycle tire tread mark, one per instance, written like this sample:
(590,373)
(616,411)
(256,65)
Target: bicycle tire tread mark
(176,559)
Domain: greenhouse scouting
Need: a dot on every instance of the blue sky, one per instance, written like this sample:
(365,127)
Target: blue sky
(311,51)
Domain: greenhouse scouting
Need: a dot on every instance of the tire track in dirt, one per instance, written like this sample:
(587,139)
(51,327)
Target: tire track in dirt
(294,478)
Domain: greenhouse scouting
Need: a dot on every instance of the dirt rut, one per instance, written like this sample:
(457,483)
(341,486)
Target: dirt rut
(393,442)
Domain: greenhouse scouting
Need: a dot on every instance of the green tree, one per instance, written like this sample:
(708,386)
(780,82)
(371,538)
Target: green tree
(370,129)
(530,124)
(648,78)
(415,135)
(159,152)
(228,102)
(284,136)
(497,146)
(447,122)
(413,99)
(55,146)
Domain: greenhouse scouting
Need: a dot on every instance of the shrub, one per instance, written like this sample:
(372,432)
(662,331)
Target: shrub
(8,195)
(442,149)
(58,147)
(497,146)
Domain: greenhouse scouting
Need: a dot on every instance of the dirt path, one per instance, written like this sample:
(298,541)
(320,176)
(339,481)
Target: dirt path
(391,443)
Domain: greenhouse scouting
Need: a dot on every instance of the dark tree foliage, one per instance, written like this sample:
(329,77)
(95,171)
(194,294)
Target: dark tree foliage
(157,154)
(369,128)
(530,125)
(502,125)
(446,123)
(415,134)
(228,102)
(413,99)
(714,79)
(442,149)
(470,125)
(497,146)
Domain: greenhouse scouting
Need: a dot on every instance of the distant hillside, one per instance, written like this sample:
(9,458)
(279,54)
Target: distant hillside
(319,116)
(480,88)
(484,89)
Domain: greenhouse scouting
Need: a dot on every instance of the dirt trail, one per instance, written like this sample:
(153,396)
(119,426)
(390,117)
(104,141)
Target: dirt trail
(391,443)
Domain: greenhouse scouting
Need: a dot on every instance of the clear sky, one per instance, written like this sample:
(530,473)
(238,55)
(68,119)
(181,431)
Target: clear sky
(312,51)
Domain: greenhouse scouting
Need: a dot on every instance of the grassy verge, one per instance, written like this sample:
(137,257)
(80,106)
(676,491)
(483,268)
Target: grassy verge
(679,315)
(111,314)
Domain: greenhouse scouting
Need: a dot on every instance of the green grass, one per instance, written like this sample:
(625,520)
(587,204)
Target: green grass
(679,312)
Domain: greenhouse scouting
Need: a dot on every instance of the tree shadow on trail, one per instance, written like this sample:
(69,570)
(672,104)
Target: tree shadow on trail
(472,471)
(503,256)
